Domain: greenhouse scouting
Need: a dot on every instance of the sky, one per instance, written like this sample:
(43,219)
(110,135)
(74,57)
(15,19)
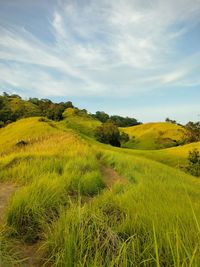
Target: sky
(137,58)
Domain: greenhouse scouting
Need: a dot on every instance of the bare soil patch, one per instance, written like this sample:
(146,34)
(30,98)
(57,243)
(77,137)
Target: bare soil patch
(110,176)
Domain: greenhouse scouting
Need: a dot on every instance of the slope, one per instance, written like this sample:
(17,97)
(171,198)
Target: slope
(65,205)
(79,121)
(23,108)
(174,156)
(27,130)
(154,135)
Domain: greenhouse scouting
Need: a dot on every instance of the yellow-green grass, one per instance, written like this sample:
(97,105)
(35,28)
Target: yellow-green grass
(174,156)
(18,105)
(154,135)
(79,121)
(29,130)
(152,220)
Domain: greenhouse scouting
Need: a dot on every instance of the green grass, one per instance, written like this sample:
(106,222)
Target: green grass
(153,219)
(176,156)
(79,121)
(30,130)
(154,135)
(18,105)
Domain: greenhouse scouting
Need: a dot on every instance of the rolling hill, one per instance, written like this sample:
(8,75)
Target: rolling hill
(174,156)
(154,135)
(79,121)
(78,202)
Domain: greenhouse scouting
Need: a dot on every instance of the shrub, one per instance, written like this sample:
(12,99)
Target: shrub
(21,143)
(194,162)
(124,137)
(193,132)
(1,124)
(108,133)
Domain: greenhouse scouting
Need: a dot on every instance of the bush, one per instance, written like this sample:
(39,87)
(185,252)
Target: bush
(124,137)
(21,143)
(194,162)
(108,133)
(1,124)
(193,132)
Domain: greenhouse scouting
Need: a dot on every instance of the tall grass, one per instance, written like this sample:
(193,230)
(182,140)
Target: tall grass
(152,220)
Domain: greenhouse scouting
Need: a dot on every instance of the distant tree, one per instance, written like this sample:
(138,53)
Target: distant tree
(108,133)
(55,111)
(170,121)
(124,137)
(194,162)
(34,101)
(192,132)
(1,124)
(117,120)
(15,96)
(67,104)
(124,121)
(101,116)
(5,94)
(6,113)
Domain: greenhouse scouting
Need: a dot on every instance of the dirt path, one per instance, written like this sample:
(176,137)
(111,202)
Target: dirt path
(110,176)
(28,252)
(6,191)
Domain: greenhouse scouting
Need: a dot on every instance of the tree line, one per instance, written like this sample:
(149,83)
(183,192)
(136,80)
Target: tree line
(116,119)
(13,107)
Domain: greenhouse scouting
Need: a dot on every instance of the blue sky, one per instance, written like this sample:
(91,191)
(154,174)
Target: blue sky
(129,57)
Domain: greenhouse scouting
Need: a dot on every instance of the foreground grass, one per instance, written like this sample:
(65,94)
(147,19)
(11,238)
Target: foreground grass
(151,220)
(154,220)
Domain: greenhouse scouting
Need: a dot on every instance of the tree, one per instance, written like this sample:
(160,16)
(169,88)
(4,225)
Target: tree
(192,132)
(101,116)
(194,162)
(170,121)
(124,137)
(108,133)
(124,121)
(117,120)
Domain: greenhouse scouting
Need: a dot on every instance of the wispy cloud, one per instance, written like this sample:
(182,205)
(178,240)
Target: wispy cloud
(103,47)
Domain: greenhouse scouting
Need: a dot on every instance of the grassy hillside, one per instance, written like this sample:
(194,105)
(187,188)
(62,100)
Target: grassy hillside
(28,130)
(19,106)
(154,135)
(79,121)
(174,156)
(66,207)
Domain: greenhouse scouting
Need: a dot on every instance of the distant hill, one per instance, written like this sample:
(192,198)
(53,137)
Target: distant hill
(154,135)
(23,108)
(79,121)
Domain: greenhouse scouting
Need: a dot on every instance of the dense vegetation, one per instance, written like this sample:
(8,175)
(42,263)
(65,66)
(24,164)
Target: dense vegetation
(117,120)
(79,202)
(193,132)
(194,162)
(13,107)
